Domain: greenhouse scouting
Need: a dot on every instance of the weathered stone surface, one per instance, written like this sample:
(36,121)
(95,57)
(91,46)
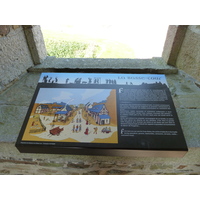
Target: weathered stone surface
(136,166)
(155,65)
(14,103)
(4,30)
(190,125)
(51,164)
(181,166)
(117,172)
(21,93)
(39,40)
(106,165)
(4,171)
(77,165)
(15,56)
(15,26)
(35,43)
(13,162)
(46,171)
(160,166)
(174,40)
(184,91)
(189,54)
(91,173)
(10,127)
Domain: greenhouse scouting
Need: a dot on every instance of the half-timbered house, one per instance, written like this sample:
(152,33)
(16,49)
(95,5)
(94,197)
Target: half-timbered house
(42,109)
(100,114)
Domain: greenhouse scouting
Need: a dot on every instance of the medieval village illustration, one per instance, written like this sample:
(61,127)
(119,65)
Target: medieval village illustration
(86,115)
(71,108)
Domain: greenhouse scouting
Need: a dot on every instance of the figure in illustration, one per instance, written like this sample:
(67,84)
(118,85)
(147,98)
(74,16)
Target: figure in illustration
(79,127)
(86,131)
(50,79)
(95,130)
(90,81)
(77,80)
(76,128)
(73,129)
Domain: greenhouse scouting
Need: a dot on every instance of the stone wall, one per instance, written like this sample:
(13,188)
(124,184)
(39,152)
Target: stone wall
(182,48)
(15,52)
(40,45)
(35,43)
(189,55)
(12,162)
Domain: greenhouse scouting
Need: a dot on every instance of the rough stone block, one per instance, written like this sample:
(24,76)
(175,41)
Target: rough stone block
(189,54)
(117,172)
(190,125)
(4,30)
(35,43)
(173,43)
(160,166)
(15,57)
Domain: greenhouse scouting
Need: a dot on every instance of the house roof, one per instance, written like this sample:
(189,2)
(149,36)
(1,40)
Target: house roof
(57,107)
(44,106)
(68,108)
(61,112)
(104,116)
(96,108)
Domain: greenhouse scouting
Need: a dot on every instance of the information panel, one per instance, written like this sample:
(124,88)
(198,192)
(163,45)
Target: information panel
(102,114)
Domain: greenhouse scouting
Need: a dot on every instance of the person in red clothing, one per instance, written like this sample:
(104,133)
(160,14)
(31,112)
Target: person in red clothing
(86,131)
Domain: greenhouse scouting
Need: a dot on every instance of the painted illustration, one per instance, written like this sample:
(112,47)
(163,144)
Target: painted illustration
(73,115)
(99,79)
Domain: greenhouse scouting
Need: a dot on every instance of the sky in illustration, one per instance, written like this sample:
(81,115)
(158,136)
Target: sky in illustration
(136,79)
(72,96)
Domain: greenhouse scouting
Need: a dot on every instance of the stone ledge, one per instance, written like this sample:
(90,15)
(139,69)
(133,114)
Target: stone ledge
(13,162)
(154,65)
